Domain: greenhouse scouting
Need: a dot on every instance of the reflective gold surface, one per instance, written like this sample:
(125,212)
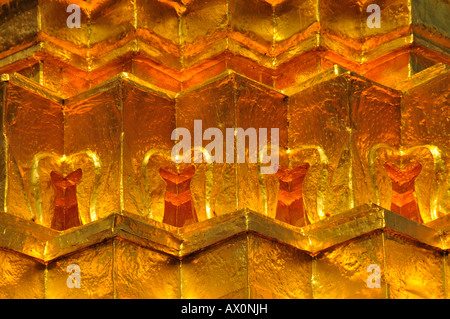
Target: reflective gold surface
(87,179)
(326,260)
(341,272)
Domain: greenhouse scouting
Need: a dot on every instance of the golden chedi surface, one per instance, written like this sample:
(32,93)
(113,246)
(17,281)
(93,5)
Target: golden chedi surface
(94,205)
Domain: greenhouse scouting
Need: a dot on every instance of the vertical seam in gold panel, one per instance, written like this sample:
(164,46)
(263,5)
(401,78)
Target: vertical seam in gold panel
(445,274)
(229,28)
(409,66)
(350,177)
(115,294)
(288,118)
(89,31)
(228,25)
(361,54)
(386,284)
(40,64)
(121,199)
(248,259)
(5,148)
(401,118)
(235,142)
(63,111)
(175,100)
(313,273)
(41,72)
(273,39)
(39,16)
(180,41)
(45,280)
(319,34)
(89,28)
(181,276)
(409,4)
(317,10)
(122,134)
(135,15)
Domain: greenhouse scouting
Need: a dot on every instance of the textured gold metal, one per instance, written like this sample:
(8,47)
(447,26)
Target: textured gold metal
(87,179)
(216,256)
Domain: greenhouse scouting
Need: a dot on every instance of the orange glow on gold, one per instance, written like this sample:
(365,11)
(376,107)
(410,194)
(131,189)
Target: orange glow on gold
(363,149)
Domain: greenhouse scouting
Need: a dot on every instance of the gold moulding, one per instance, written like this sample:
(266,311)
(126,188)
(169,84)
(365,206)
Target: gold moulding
(224,251)
(176,45)
(126,145)
(87,178)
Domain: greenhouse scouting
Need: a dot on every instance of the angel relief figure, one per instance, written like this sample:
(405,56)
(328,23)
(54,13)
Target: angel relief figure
(403,200)
(178,210)
(66,213)
(167,188)
(290,198)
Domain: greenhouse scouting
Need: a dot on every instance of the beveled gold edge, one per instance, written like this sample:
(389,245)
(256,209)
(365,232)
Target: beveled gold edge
(207,82)
(209,232)
(383,48)
(344,227)
(430,43)
(326,75)
(155,235)
(14,231)
(22,54)
(100,88)
(442,223)
(413,230)
(419,79)
(28,84)
(423,77)
(336,71)
(272,61)
(116,81)
(224,75)
(180,242)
